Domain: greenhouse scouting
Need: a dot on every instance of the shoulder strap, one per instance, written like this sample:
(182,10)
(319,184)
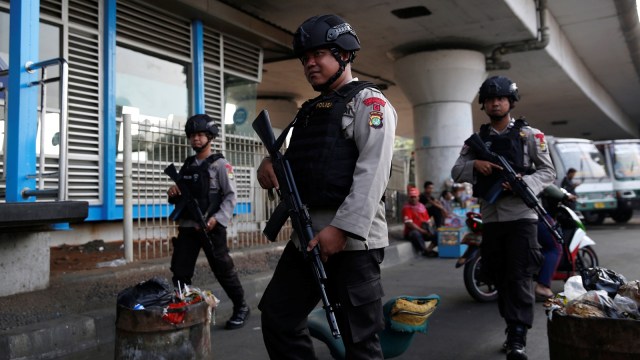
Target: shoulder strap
(350,90)
(520,122)
(484,131)
(187,162)
(213,157)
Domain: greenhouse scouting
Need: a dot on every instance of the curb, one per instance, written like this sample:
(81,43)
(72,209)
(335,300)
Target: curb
(71,335)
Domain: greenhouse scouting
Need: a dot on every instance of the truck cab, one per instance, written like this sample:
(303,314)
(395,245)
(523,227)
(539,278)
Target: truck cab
(595,192)
(622,158)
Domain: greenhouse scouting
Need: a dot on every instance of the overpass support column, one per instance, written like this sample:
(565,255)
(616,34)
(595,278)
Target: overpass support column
(441,85)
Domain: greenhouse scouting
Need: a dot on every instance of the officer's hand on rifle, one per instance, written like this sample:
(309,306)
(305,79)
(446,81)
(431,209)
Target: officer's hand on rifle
(211,223)
(331,240)
(266,176)
(173,191)
(485,167)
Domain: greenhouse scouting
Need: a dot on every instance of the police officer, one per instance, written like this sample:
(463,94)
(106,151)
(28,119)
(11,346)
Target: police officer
(210,180)
(340,155)
(510,251)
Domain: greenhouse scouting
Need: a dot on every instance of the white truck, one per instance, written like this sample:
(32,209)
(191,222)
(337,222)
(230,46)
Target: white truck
(596,195)
(622,158)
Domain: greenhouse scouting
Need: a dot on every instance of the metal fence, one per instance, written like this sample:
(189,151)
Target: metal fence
(156,143)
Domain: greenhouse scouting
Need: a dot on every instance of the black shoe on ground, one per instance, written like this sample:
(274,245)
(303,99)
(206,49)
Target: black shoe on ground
(430,253)
(516,342)
(239,317)
(516,352)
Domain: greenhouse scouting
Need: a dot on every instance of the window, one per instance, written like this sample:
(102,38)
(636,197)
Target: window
(240,105)
(49,48)
(157,90)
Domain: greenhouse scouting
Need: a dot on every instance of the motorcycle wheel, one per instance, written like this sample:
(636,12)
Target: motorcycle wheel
(588,257)
(480,290)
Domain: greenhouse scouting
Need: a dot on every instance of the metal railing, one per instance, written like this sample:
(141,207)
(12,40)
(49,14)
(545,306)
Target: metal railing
(63,79)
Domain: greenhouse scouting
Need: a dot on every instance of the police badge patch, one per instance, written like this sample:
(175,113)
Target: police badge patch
(229,171)
(375,119)
(542,144)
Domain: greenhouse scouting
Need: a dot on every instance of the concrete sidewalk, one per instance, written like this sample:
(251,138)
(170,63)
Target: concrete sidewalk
(77,313)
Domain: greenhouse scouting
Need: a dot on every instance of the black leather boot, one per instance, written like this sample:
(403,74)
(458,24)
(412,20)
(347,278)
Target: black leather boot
(239,317)
(516,342)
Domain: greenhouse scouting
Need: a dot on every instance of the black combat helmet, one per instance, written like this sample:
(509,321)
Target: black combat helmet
(326,31)
(201,123)
(498,86)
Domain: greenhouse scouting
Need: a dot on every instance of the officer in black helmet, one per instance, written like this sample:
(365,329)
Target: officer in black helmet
(510,251)
(340,156)
(211,182)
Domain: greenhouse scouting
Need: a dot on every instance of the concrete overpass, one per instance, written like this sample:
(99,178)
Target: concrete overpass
(576,62)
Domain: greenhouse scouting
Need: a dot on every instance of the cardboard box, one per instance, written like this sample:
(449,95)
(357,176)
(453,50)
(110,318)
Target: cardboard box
(449,239)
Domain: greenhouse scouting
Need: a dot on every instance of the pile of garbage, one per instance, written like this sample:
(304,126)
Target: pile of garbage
(598,293)
(158,292)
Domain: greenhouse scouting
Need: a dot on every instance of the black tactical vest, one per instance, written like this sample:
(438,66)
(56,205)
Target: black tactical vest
(197,180)
(510,145)
(322,159)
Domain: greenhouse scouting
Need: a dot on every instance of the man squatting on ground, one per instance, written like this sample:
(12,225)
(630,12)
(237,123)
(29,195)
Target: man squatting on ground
(340,154)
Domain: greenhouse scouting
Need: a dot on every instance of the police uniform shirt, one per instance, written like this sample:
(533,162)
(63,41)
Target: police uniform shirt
(511,207)
(371,121)
(222,179)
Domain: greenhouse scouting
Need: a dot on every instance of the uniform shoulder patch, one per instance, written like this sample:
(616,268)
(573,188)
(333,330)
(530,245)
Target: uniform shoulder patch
(374,102)
(375,119)
(540,142)
(229,169)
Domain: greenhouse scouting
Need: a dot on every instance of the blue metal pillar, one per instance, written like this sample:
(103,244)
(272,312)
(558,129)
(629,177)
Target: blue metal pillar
(109,112)
(22,105)
(197,50)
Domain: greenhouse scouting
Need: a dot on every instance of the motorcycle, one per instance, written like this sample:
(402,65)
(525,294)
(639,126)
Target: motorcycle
(581,254)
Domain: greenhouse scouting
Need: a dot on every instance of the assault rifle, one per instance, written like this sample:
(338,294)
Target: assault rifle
(291,206)
(519,187)
(188,202)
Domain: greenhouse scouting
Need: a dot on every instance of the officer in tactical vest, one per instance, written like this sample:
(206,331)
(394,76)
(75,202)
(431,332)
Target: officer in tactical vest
(340,155)
(510,251)
(210,180)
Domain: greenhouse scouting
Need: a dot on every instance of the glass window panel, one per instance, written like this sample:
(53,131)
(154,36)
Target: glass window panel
(49,48)
(240,105)
(626,161)
(585,158)
(156,92)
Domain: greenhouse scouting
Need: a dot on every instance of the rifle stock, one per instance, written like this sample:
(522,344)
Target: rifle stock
(293,208)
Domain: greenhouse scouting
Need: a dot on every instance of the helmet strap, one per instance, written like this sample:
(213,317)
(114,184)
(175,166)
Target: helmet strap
(199,149)
(343,64)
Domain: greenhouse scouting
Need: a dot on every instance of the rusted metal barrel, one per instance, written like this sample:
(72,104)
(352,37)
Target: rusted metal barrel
(572,337)
(145,335)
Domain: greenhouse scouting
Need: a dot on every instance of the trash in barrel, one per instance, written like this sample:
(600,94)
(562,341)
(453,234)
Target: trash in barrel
(596,317)
(154,322)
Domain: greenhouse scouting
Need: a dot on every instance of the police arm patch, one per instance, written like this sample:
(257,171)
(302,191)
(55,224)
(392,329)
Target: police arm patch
(540,142)
(229,169)
(375,119)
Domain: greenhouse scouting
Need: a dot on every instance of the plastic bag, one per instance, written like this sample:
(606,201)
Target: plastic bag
(631,290)
(573,288)
(154,292)
(626,307)
(598,278)
(593,303)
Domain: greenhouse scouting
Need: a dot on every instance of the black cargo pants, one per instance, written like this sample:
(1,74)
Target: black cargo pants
(186,249)
(354,288)
(511,256)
